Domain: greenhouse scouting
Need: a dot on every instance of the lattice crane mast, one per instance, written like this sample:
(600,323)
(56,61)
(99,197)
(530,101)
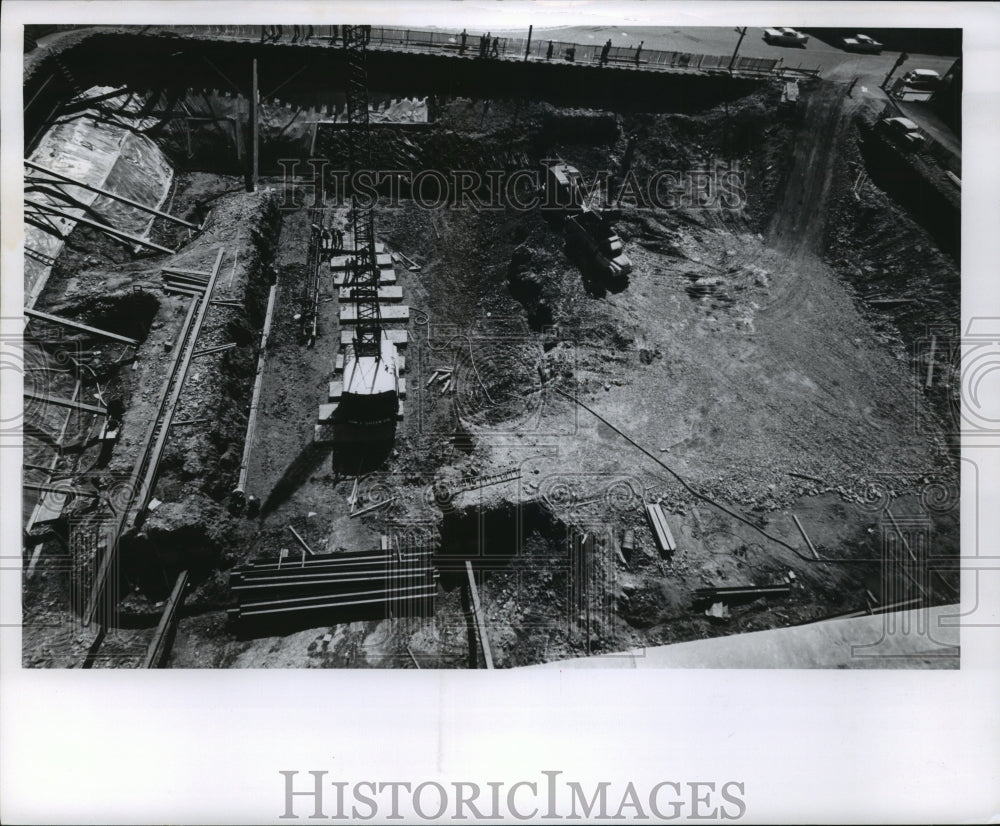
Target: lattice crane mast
(364,271)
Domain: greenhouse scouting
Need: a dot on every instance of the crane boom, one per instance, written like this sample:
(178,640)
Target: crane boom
(364,271)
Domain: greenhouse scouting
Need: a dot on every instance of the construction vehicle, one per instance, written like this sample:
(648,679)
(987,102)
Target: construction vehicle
(789,102)
(562,185)
(369,402)
(589,233)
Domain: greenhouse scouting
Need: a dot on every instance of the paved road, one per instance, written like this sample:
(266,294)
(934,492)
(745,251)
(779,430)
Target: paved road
(834,63)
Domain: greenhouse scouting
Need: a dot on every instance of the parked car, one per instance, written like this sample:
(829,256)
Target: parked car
(861,43)
(921,79)
(903,131)
(783,36)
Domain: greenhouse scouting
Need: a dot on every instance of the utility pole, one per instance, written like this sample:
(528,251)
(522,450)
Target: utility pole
(732,60)
(903,56)
(254,141)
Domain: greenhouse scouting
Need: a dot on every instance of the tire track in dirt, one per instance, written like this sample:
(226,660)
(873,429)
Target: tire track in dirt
(797,225)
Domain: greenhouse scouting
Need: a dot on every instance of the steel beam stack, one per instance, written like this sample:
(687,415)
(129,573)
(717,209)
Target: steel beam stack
(346,586)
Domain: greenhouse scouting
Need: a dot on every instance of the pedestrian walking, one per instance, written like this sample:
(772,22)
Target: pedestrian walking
(604,52)
(278,32)
(263,33)
(461,49)
(309,32)
(334,30)
(495,51)
(296,32)
(548,51)
(638,51)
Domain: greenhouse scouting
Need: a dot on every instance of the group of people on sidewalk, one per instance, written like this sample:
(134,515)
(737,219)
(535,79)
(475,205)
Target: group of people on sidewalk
(275,33)
(570,54)
(606,51)
(489,46)
(299,33)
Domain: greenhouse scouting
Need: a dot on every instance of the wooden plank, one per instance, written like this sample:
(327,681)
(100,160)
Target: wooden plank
(478,612)
(410,652)
(899,533)
(375,506)
(930,362)
(805,536)
(146,490)
(301,541)
(661,530)
(109,230)
(210,350)
(61,402)
(338,365)
(397,337)
(204,276)
(76,325)
(111,554)
(390,313)
(340,262)
(190,292)
(52,487)
(106,193)
(254,118)
(158,649)
(386,277)
(387,293)
(257,386)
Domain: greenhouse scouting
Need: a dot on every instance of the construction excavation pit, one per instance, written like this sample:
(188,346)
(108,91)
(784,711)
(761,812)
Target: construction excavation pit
(368,350)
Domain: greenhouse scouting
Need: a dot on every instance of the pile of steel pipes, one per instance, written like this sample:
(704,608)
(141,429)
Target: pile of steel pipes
(347,586)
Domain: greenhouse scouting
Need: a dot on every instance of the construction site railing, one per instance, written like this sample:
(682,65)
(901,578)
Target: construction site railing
(508,48)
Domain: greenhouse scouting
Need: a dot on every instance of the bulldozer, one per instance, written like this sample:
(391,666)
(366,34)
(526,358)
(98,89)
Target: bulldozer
(589,236)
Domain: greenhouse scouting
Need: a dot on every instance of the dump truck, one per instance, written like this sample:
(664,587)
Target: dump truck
(589,235)
(789,102)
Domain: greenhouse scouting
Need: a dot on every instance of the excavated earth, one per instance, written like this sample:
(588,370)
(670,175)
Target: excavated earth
(758,351)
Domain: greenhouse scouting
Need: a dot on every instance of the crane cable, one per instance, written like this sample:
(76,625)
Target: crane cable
(690,489)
